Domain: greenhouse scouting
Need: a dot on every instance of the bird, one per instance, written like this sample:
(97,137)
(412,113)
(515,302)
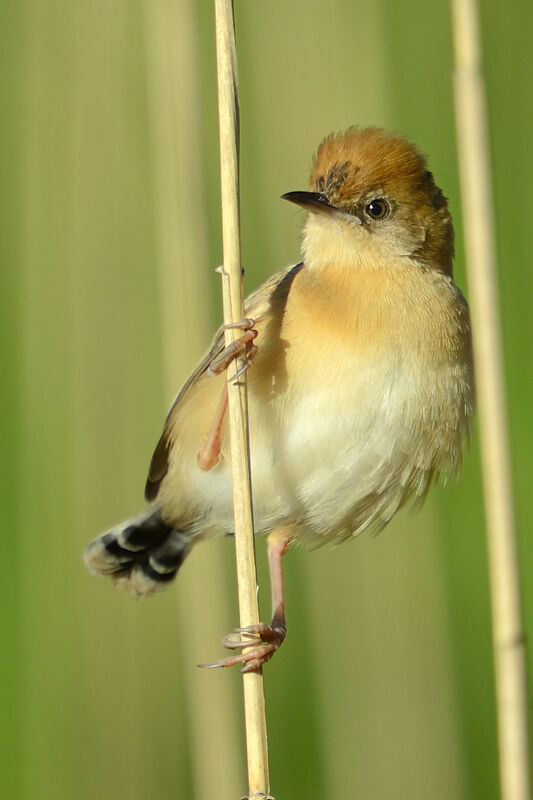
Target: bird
(360,384)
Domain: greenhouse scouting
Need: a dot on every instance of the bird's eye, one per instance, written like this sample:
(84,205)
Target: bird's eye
(377,209)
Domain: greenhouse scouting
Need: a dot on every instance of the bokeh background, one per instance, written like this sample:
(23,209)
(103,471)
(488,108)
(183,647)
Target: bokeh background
(109,207)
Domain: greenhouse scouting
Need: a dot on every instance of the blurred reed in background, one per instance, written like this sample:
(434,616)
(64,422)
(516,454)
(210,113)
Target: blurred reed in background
(110,234)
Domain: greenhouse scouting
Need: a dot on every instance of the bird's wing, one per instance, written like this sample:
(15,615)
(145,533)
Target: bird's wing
(257,306)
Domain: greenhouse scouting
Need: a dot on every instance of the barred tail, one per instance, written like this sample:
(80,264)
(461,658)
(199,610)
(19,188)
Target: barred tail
(142,555)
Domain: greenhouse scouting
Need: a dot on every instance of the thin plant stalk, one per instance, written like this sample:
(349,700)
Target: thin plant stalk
(232,291)
(508,634)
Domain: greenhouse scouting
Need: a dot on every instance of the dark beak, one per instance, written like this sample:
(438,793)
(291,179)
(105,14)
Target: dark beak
(311,201)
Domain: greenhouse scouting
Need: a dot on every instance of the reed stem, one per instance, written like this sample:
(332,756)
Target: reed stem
(232,291)
(507,626)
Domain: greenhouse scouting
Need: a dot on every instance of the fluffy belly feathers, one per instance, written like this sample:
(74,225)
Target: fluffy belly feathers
(338,473)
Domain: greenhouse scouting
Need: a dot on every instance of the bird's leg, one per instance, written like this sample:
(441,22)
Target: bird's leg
(209,455)
(261,641)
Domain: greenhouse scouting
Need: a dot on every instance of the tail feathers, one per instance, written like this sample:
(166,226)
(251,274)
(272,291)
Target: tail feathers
(142,555)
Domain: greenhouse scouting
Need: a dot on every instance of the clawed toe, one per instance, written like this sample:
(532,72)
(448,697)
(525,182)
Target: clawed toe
(240,637)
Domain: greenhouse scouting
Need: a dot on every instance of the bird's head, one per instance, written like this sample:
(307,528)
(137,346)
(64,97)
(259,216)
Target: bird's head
(373,199)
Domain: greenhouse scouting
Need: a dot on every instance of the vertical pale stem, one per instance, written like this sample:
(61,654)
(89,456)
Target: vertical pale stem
(508,637)
(254,706)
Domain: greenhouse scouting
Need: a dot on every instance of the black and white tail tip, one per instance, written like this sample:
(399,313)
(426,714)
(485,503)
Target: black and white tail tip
(141,555)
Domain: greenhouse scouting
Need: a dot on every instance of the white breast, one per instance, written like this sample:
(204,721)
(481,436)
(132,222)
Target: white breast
(344,466)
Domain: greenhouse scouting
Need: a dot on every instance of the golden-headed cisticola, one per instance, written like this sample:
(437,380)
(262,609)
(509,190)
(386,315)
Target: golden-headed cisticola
(360,391)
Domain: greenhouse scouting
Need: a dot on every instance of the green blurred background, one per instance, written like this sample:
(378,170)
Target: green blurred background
(109,206)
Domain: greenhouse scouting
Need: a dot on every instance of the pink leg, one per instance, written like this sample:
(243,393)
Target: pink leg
(261,641)
(209,454)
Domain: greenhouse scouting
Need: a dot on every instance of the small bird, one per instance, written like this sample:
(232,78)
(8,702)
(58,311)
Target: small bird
(360,388)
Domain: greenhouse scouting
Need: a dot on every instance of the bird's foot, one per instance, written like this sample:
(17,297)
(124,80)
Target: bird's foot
(260,642)
(241,346)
